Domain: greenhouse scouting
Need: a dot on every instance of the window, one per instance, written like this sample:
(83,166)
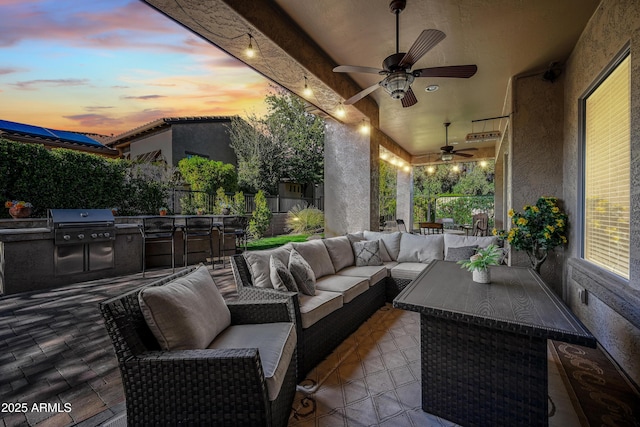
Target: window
(607,170)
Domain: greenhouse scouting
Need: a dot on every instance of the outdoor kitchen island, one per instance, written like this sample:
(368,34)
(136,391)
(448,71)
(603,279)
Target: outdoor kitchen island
(30,259)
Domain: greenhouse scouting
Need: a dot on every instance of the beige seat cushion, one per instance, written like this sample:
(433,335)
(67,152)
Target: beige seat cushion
(316,254)
(186,313)
(407,270)
(314,308)
(275,342)
(373,273)
(258,262)
(340,252)
(457,241)
(349,287)
(390,265)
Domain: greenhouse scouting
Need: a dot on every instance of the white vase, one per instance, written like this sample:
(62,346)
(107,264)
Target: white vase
(482,276)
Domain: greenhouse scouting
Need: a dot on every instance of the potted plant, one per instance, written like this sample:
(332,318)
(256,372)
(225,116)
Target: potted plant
(479,263)
(537,230)
(18,208)
(163,211)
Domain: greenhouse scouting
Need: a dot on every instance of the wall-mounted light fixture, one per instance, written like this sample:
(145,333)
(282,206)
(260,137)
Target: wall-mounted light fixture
(365,128)
(484,135)
(340,112)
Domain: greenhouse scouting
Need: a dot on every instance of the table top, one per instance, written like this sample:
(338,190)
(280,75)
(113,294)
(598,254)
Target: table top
(517,300)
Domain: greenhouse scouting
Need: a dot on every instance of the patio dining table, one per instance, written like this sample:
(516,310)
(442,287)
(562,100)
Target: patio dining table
(484,346)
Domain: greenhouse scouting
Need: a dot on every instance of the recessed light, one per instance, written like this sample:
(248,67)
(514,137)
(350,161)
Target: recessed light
(431,88)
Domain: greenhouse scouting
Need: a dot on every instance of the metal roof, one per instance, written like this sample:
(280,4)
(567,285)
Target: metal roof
(45,133)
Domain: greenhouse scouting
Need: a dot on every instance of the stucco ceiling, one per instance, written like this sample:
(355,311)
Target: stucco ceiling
(504,38)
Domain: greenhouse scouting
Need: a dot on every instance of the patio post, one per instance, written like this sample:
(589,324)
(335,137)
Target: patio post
(351,176)
(404,197)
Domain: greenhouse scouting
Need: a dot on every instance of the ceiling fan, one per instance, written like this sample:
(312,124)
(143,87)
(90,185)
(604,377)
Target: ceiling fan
(397,67)
(447,150)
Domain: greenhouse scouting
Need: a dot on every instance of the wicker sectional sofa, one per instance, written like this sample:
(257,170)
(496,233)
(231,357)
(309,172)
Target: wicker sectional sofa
(346,294)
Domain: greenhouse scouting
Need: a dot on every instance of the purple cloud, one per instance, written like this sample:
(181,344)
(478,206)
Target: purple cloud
(34,84)
(144,97)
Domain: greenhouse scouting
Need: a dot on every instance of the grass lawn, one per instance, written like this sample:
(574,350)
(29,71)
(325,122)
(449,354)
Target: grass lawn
(273,242)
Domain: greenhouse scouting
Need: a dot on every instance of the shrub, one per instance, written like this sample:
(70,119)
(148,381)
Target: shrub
(305,220)
(261,217)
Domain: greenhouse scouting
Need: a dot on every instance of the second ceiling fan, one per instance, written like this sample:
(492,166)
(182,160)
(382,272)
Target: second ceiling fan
(397,67)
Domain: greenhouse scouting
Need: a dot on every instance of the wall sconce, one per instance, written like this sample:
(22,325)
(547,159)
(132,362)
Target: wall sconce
(340,112)
(249,51)
(365,128)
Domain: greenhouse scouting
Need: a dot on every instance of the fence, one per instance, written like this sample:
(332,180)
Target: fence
(207,201)
(462,208)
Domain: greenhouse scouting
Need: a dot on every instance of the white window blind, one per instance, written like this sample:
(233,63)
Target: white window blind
(607,172)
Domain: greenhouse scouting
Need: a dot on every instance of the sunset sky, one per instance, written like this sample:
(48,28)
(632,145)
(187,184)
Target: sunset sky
(108,66)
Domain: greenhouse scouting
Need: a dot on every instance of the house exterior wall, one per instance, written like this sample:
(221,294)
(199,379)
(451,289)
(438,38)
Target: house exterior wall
(158,141)
(209,139)
(536,156)
(612,312)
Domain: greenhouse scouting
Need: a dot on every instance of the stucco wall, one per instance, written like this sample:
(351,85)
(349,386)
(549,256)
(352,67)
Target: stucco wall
(613,309)
(209,139)
(350,179)
(536,156)
(158,141)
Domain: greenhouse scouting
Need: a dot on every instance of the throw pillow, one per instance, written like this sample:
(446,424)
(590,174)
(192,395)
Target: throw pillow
(461,253)
(302,273)
(367,253)
(281,276)
(186,313)
(258,262)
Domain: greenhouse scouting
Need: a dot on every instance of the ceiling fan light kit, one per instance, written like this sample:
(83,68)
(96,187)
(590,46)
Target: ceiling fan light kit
(397,67)
(447,150)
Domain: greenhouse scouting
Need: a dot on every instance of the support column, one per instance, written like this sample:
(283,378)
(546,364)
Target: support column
(351,175)
(404,197)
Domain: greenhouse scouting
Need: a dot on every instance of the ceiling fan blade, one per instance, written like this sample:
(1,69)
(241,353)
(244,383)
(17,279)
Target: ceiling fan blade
(358,96)
(456,71)
(467,149)
(462,154)
(409,99)
(357,69)
(426,41)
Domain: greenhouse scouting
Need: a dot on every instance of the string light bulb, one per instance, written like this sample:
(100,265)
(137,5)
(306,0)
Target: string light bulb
(407,168)
(431,169)
(483,163)
(307,92)
(364,128)
(250,51)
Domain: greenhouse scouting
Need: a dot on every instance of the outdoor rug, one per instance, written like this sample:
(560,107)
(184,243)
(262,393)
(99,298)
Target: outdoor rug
(373,379)
(600,393)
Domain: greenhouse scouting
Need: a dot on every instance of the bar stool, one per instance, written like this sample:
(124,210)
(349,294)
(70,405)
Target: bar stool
(158,229)
(197,228)
(233,227)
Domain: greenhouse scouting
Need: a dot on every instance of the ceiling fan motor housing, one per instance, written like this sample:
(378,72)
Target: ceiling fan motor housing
(397,84)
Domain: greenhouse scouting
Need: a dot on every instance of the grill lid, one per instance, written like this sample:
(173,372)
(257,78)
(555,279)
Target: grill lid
(103,217)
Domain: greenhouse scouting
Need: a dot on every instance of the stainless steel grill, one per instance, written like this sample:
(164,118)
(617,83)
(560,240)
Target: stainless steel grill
(83,239)
(74,226)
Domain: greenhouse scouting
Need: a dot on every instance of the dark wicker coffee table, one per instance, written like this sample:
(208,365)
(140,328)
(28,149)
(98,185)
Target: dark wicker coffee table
(484,347)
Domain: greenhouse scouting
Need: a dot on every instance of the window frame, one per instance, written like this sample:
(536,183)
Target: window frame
(582,102)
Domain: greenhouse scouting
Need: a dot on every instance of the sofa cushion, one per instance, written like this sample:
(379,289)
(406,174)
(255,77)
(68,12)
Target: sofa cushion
(281,277)
(373,273)
(314,308)
(186,313)
(367,252)
(456,241)
(461,253)
(316,254)
(349,287)
(340,252)
(275,342)
(390,265)
(391,241)
(407,270)
(258,262)
(420,248)
(302,273)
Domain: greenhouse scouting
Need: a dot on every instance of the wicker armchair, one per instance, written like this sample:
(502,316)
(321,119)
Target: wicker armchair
(196,387)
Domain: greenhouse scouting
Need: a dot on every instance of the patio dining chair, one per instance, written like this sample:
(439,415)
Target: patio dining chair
(197,228)
(158,230)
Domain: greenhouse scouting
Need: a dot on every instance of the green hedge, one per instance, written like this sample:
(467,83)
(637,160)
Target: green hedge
(67,179)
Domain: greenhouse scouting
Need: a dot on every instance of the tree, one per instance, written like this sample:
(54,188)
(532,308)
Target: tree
(205,176)
(288,143)
(261,216)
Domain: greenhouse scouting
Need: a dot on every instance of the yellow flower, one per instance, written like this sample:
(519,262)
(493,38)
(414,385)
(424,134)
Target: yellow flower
(494,231)
(555,209)
(547,235)
(510,213)
(560,223)
(535,209)
(551,228)
(564,239)
(522,221)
